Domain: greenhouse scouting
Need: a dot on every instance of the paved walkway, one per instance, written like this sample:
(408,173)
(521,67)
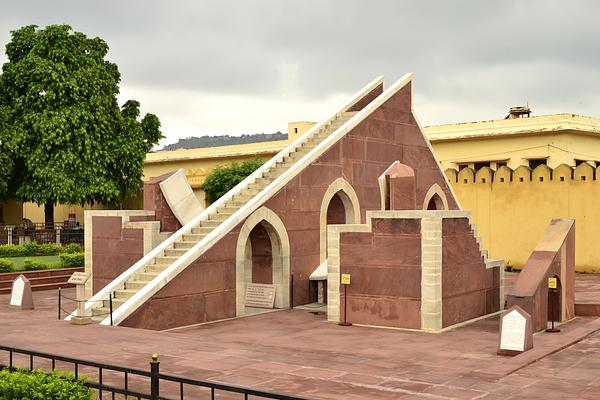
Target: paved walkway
(299,353)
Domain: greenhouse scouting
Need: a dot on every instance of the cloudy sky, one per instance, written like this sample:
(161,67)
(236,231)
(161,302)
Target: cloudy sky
(234,67)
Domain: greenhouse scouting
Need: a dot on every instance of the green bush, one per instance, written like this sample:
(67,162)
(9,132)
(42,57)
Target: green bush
(11,250)
(34,265)
(40,385)
(49,249)
(32,249)
(72,259)
(72,248)
(223,179)
(6,266)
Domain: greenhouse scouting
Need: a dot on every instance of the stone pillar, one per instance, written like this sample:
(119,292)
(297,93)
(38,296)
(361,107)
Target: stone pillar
(431,273)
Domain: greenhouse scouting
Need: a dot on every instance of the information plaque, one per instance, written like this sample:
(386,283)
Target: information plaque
(260,295)
(516,335)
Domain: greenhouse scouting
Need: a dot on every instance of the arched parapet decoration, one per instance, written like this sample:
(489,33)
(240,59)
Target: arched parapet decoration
(437,195)
(522,174)
(503,175)
(484,175)
(466,175)
(563,173)
(584,172)
(281,257)
(349,198)
(451,175)
(542,173)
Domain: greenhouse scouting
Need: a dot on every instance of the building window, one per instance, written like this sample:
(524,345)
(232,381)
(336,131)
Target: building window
(536,162)
(479,165)
(462,166)
(295,130)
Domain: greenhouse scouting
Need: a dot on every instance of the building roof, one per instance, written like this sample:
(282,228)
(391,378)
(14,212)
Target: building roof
(237,150)
(517,126)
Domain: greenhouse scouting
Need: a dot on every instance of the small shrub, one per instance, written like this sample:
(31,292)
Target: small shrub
(223,179)
(72,260)
(48,249)
(30,249)
(6,266)
(11,250)
(71,248)
(40,385)
(34,265)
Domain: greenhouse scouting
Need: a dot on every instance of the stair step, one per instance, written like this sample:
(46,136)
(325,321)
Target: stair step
(159,267)
(136,284)
(175,252)
(145,276)
(165,259)
(192,237)
(203,230)
(183,244)
(124,293)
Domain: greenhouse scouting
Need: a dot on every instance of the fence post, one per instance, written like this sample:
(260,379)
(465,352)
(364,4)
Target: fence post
(59,298)
(110,307)
(154,369)
(57,230)
(9,237)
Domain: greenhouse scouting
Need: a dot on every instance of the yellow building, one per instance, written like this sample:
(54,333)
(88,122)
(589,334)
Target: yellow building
(516,174)
(548,139)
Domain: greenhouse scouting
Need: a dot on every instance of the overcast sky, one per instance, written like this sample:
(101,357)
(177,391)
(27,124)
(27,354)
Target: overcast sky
(225,67)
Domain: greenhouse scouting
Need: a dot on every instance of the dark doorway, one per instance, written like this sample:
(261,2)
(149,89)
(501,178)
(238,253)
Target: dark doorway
(435,203)
(336,212)
(262,255)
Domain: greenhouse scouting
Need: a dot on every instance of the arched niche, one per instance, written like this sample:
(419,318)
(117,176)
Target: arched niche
(339,193)
(435,199)
(263,245)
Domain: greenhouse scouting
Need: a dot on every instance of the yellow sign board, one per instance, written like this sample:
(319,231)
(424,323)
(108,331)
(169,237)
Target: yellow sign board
(552,284)
(345,279)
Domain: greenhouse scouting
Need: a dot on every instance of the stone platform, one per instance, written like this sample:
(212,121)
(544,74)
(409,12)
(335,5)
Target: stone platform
(299,353)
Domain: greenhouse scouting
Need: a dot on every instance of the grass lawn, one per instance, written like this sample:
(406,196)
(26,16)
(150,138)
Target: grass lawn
(18,261)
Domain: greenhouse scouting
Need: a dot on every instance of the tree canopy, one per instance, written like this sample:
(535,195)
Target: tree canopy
(64,138)
(223,178)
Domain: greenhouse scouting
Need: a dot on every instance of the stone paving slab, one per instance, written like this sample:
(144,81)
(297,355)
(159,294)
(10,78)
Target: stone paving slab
(300,353)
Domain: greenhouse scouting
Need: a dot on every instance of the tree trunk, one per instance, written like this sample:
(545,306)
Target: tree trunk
(49,215)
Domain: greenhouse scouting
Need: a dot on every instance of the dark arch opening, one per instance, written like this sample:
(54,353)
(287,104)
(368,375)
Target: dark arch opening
(336,211)
(435,203)
(262,255)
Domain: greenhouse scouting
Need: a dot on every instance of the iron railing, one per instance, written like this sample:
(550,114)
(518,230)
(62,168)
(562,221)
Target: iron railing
(136,383)
(58,232)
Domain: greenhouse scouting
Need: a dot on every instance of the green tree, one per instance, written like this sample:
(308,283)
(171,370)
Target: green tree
(222,179)
(67,139)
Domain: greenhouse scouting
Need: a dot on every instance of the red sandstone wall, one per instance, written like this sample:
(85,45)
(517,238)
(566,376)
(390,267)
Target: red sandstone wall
(155,201)
(204,291)
(388,134)
(385,268)
(469,290)
(114,249)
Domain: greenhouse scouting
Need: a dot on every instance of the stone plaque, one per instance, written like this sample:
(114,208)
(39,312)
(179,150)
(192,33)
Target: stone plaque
(260,295)
(516,334)
(21,295)
(79,278)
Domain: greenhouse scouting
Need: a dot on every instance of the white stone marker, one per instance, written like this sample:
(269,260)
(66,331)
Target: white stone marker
(516,335)
(21,295)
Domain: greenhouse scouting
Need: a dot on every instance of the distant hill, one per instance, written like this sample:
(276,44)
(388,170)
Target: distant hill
(225,140)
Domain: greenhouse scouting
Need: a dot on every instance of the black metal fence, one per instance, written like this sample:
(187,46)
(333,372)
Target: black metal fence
(58,232)
(110,381)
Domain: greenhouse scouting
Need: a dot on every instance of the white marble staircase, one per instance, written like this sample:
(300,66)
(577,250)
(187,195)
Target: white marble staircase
(182,244)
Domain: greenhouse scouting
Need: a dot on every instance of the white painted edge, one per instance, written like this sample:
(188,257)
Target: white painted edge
(176,267)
